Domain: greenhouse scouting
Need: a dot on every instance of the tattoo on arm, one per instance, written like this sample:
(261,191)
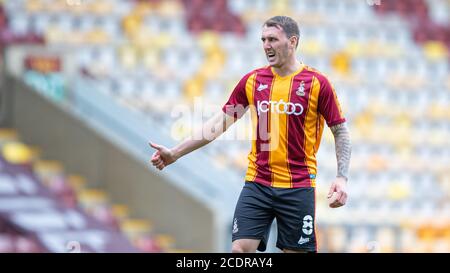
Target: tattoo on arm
(343,148)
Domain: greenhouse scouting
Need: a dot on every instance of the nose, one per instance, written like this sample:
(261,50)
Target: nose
(266,45)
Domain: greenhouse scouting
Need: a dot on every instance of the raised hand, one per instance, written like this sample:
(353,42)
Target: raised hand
(162,157)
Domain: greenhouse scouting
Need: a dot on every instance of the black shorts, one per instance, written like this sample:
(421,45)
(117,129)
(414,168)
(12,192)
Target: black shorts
(294,209)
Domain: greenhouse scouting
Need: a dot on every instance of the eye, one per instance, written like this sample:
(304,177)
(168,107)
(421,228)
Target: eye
(270,39)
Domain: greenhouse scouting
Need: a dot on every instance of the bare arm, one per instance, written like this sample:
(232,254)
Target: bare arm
(211,130)
(343,154)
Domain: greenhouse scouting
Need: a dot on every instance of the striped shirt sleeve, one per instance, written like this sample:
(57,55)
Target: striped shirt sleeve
(237,104)
(329,106)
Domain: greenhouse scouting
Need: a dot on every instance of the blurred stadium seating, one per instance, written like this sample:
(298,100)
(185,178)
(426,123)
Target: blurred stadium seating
(389,64)
(40,206)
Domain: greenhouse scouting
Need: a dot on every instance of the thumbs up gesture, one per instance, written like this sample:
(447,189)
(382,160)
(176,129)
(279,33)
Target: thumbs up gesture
(162,157)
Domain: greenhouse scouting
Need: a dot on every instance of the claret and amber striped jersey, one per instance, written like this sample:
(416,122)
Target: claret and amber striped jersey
(288,116)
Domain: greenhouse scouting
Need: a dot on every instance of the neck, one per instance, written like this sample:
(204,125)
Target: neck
(288,68)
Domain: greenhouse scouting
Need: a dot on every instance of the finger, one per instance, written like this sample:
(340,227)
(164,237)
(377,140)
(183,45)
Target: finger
(339,195)
(155,146)
(156,159)
(160,165)
(332,189)
(335,204)
(158,162)
(156,155)
(340,201)
(343,200)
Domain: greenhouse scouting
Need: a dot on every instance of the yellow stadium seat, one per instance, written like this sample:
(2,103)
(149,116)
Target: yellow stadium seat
(97,36)
(101,7)
(77,183)
(143,39)
(150,58)
(193,88)
(121,212)
(208,40)
(377,163)
(163,40)
(393,51)
(54,35)
(128,56)
(281,7)
(427,233)
(311,47)
(170,8)
(166,242)
(341,62)
(437,111)
(35,152)
(131,24)
(135,228)
(89,199)
(142,9)
(364,123)
(250,16)
(446,233)
(435,50)
(180,130)
(34,6)
(76,7)
(215,56)
(354,49)
(210,70)
(372,48)
(398,191)
(17,153)
(48,167)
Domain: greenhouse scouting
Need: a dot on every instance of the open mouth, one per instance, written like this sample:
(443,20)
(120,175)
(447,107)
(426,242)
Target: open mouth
(271,54)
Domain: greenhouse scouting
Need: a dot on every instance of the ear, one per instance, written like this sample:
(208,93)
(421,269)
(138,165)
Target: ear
(294,41)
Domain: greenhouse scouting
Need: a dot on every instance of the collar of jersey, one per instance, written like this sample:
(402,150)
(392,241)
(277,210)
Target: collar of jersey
(289,75)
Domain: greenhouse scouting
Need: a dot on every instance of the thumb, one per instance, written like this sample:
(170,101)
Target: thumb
(332,189)
(155,146)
